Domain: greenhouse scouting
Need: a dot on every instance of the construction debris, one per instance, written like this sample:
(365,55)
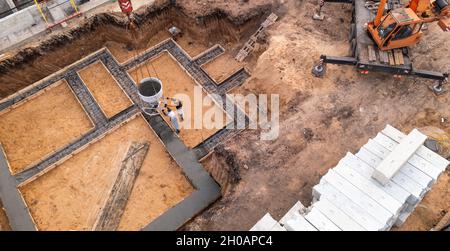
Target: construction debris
(111,213)
(375,189)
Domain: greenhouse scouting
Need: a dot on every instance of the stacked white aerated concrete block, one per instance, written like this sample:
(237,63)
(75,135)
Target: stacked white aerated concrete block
(371,190)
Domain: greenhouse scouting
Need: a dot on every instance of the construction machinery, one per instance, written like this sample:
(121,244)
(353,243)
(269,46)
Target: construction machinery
(381,32)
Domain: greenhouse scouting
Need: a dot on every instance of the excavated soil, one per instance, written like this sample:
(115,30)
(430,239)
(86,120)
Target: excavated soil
(105,89)
(47,55)
(175,82)
(41,125)
(322,119)
(4,225)
(70,196)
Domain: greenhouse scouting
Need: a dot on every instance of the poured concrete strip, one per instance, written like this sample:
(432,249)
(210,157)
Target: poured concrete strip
(86,99)
(17,211)
(207,192)
(209,55)
(398,157)
(48,163)
(154,51)
(236,79)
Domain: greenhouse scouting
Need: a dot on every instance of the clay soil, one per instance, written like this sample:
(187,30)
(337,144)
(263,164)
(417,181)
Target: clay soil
(322,119)
(222,67)
(176,81)
(41,125)
(123,53)
(105,89)
(70,196)
(4,225)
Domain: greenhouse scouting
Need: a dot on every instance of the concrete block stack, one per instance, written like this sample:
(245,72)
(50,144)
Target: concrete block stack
(374,189)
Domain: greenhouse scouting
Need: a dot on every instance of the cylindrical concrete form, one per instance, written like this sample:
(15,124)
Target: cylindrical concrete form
(150,91)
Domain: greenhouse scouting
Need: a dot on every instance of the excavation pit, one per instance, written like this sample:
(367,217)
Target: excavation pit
(63,187)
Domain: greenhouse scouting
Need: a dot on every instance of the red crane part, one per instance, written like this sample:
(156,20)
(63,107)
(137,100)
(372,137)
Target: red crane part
(125,6)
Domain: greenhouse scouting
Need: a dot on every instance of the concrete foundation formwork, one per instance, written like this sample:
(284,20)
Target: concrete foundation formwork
(206,189)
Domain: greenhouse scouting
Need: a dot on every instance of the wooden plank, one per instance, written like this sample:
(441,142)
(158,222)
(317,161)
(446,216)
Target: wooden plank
(111,213)
(383,57)
(399,59)
(391,58)
(372,53)
(398,157)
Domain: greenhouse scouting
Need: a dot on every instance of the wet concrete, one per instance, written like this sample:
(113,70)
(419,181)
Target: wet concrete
(18,215)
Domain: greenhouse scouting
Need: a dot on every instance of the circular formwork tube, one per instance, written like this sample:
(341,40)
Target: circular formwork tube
(150,92)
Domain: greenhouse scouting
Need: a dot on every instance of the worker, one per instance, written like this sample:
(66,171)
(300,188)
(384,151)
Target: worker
(178,105)
(173,119)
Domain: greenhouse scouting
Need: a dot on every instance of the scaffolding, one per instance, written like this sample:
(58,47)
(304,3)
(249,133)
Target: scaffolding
(40,4)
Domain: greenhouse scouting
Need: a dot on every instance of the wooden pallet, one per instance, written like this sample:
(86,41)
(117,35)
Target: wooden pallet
(391,57)
(250,44)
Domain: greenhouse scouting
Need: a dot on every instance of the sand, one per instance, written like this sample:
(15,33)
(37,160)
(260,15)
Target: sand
(177,81)
(222,67)
(69,197)
(123,54)
(42,125)
(4,225)
(105,89)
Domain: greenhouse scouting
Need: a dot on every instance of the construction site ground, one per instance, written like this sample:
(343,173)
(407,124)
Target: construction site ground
(105,89)
(69,197)
(321,118)
(41,125)
(177,82)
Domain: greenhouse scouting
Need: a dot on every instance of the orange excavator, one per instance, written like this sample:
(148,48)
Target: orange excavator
(401,27)
(381,33)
